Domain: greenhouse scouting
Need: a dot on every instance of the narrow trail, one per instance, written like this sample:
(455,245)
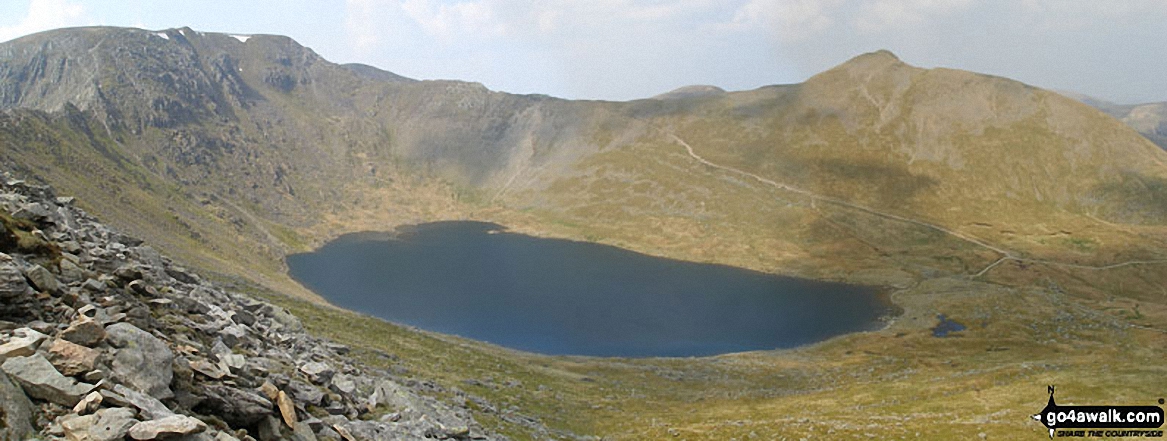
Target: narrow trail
(1005,254)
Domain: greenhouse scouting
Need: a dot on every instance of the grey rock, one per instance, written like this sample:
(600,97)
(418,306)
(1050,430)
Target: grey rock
(223,436)
(128,272)
(343,384)
(42,279)
(35,212)
(93,286)
(84,331)
(338,348)
(171,426)
(232,335)
(15,411)
(314,423)
(70,272)
(141,361)
(233,362)
(149,406)
(370,430)
(40,380)
(238,407)
(317,372)
(94,376)
(89,404)
(25,343)
(306,393)
(112,424)
(286,320)
(113,398)
(141,288)
(327,433)
(243,318)
(180,274)
(210,370)
(269,429)
(76,428)
(17,299)
(303,432)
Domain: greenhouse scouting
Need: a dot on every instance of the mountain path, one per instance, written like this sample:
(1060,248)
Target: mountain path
(1005,254)
(254,221)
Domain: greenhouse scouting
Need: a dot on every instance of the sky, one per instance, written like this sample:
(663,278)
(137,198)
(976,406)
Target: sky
(628,49)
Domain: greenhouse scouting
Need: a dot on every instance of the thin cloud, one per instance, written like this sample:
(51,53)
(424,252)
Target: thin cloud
(897,14)
(787,20)
(360,22)
(44,15)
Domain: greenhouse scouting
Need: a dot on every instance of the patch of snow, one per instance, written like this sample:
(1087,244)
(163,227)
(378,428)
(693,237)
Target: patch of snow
(163,35)
(241,38)
(182,31)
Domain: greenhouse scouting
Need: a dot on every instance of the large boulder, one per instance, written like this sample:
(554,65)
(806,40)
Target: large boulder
(15,411)
(141,361)
(40,380)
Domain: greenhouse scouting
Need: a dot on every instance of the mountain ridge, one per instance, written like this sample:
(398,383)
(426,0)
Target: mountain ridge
(234,119)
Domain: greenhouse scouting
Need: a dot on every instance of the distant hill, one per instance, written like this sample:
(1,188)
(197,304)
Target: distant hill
(1149,119)
(698,91)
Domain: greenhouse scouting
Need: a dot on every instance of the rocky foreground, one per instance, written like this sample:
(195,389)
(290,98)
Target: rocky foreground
(105,339)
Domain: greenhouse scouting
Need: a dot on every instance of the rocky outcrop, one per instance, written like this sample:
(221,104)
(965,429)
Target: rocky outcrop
(105,339)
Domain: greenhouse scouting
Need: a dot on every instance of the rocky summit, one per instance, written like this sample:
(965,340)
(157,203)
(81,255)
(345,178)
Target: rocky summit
(102,338)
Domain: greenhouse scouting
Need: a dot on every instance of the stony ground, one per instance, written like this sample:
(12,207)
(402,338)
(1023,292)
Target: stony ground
(105,339)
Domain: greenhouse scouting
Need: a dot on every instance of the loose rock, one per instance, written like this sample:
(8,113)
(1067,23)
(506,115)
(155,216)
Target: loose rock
(89,404)
(112,424)
(287,408)
(317,372)
(42,279)
(84,331)
(25,344)
(174,425)
(141,361)
(72,359)
(40,380)
(15,411)
(150,407)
